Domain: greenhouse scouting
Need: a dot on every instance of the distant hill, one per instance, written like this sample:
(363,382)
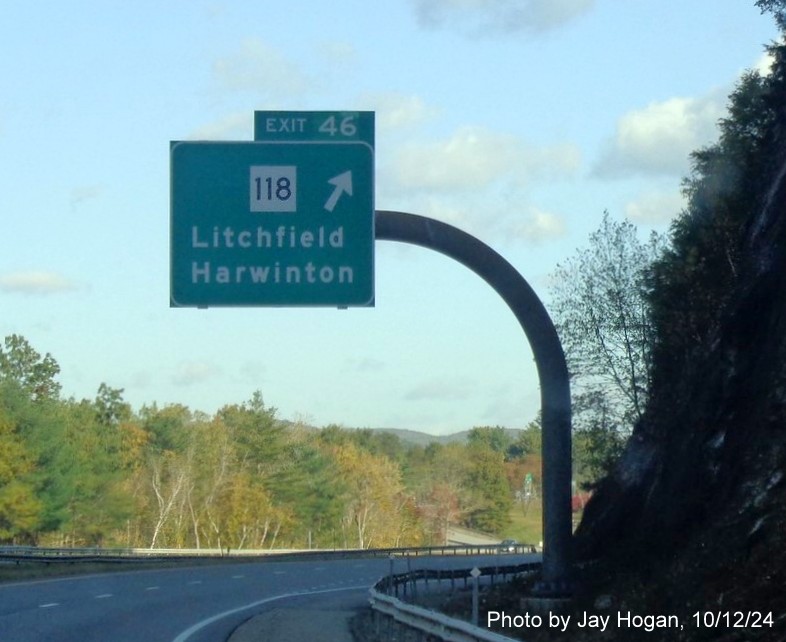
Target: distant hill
(412,437)
(424,439)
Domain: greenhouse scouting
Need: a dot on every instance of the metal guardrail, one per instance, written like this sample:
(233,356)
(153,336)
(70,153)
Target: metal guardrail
(41,554)
(384,599)
(436,625)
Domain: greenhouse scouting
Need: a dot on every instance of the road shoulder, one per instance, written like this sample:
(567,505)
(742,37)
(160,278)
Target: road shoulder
(320,617)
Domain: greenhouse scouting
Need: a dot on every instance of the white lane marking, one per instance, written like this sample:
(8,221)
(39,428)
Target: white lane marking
(319,568)
(279,572)
(185,635)
(152,588)
(238,577)
(48,605)
(103,596)
(192,582)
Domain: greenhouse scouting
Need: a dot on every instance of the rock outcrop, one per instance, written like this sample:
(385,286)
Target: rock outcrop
(696,507)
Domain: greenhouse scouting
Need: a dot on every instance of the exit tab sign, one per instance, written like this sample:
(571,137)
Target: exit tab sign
(285,220)
(329,126)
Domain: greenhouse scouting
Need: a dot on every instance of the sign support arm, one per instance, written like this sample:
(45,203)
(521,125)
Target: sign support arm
(552,373)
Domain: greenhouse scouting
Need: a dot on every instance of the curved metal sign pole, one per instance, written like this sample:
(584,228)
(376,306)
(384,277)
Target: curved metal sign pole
(550,361)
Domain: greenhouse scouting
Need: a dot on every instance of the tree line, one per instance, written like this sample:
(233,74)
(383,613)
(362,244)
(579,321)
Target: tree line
(97,472)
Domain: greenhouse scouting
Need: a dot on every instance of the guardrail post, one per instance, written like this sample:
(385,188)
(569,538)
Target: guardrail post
(414,578)
(475,572)
(390,591)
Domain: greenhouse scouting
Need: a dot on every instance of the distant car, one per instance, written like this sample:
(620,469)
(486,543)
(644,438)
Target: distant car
(508,545)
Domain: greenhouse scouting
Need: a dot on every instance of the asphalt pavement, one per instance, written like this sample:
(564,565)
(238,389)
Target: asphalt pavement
(323,616)
(270,601)
(190,604)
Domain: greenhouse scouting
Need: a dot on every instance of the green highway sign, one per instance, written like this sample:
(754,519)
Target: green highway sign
(279,222)
(327,126)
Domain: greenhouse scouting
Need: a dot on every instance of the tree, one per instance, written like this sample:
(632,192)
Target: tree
(40,426)
(441,507)
(167,426)
(211,456)
(248,515)
(600,307)
(528,442)
(691,282)
(488,485)
(596,447)
(495,438)
(257,434)
(777,8)
(97,505)
(35,374)
(313,491)
(169,481)
(20,509)
(374,498)
(111,409)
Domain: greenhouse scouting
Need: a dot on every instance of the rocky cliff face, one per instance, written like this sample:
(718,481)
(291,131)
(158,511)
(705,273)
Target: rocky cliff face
(696,509)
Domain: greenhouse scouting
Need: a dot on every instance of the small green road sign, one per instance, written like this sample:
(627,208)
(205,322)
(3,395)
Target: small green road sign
(327,126)
(272,223)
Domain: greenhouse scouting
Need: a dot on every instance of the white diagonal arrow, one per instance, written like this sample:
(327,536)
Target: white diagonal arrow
(342,183)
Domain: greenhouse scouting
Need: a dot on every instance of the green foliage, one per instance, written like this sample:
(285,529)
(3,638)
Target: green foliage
(596,447)
(167,427)
(95,505)
(92,472)
(528,442)
(315,492)
(110,407)
(376,442)
(601,310)
(601,313)
(777,8)
(690,284)
(20,510)
(493,500)
(494,438)
(257,433)
(35,374)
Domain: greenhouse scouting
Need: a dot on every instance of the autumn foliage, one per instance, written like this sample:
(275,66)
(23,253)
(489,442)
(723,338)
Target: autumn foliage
(97,472)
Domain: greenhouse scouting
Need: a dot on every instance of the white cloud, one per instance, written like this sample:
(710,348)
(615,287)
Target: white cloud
(260,68)
(655,207)
(764,64)
(457,213)
(237,126)
(35,282)
(395,110)
(538,227)
(474,158)
(194,372)
(440,389)
(500,16)
(658,139)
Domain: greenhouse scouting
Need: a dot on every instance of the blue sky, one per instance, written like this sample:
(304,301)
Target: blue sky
(517,121)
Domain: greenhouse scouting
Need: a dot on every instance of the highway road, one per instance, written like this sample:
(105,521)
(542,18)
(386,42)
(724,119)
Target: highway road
(194,604)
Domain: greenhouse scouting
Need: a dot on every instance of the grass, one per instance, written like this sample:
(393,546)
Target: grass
(526,522)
